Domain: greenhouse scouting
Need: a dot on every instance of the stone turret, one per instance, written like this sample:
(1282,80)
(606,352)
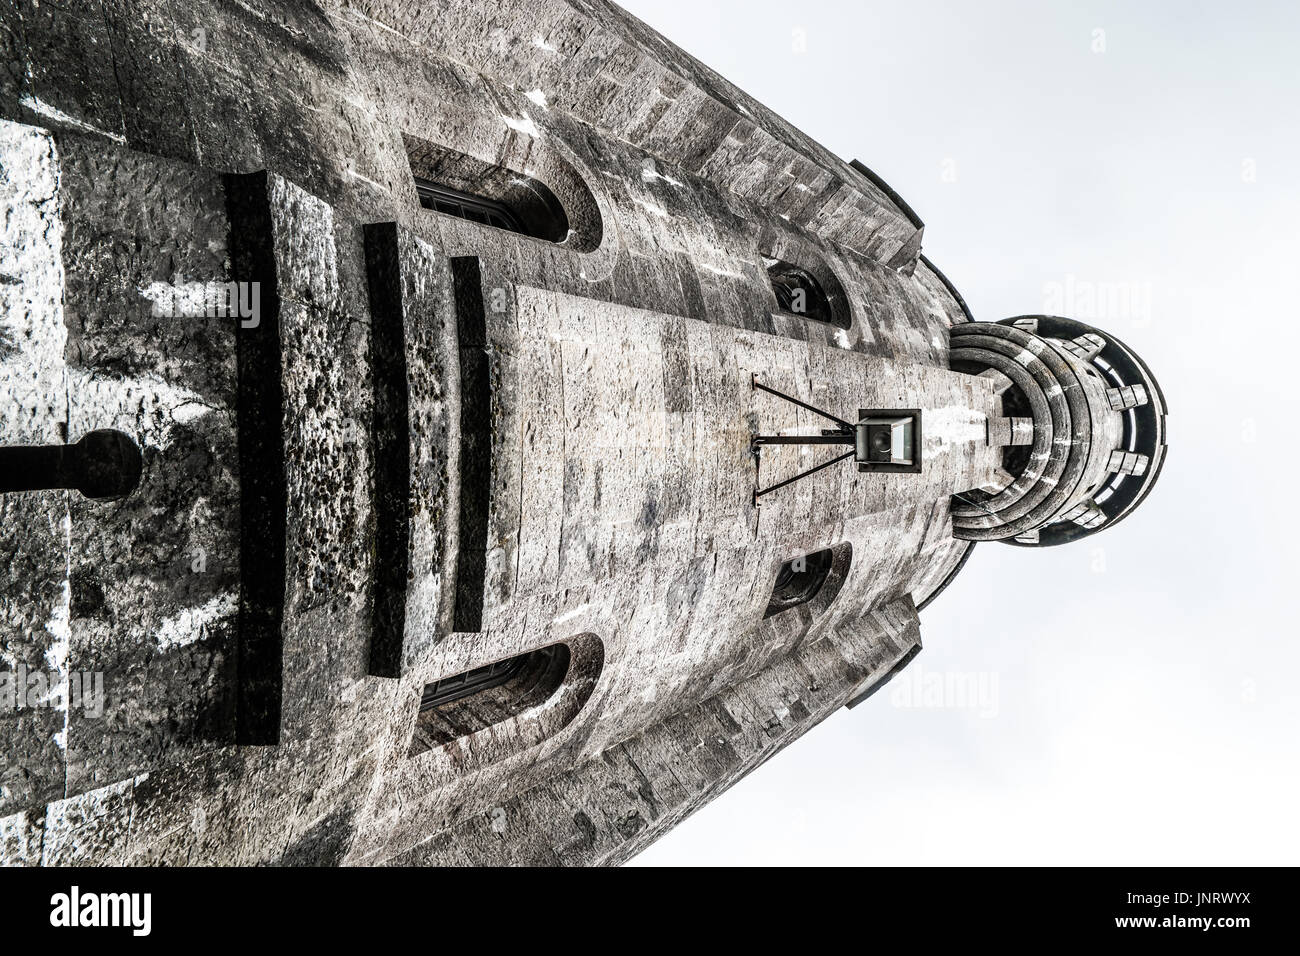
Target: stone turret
(1082,425)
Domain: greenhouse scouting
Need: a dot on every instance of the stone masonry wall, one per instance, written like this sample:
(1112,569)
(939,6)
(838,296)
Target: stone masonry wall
(251,714)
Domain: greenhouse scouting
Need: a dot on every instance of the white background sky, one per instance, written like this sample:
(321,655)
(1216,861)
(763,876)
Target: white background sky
(1146,707)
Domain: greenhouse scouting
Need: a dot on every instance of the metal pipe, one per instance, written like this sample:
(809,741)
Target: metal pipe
(839,438)
(795,401)
(802,474)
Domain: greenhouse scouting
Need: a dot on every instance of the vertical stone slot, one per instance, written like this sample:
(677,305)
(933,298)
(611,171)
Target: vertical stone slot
(262,497)
(392,453)
(475,444)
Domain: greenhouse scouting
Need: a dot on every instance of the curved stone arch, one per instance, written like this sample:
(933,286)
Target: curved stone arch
(947,578)
(1037,382)
(841,563)
(522,716)
(549,177)
(1099,448)
(785,245)
(1124,365)
(1022,517)
(1039,406)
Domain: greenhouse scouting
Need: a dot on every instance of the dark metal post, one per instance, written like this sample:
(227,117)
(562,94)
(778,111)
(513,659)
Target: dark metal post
(803,474)
(104,464)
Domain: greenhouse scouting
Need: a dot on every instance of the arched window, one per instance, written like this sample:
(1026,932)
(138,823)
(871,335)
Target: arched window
(489,712)
(798,292)
(465,205)
(453,183)
(799,580)
(473,700)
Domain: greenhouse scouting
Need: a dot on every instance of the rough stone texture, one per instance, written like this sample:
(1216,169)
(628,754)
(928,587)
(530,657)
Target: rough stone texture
(34,528)
(154,577)
(608,808)
(442,445)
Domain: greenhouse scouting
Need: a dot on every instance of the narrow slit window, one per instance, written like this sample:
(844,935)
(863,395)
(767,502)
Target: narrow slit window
(458,686)
(454,202)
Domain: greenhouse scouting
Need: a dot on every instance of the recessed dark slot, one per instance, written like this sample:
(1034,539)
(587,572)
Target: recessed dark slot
(263,492)
(798,292)
(453,183)
(475,444)
(465,703)
(454,202)
(799,580)
(390,435)
(1015,458)
(105,463)
(471,682)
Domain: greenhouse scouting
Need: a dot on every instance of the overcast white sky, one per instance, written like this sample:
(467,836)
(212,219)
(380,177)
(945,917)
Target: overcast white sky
(1141,704)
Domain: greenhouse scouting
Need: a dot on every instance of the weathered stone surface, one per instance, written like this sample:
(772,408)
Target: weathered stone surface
(433,446)
(154,577)
(34,527)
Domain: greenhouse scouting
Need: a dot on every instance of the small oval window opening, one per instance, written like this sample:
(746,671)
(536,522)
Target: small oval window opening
(798,292)
(799,580)
(517,703)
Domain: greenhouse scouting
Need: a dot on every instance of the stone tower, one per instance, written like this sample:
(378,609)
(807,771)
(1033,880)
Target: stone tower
(384,392)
